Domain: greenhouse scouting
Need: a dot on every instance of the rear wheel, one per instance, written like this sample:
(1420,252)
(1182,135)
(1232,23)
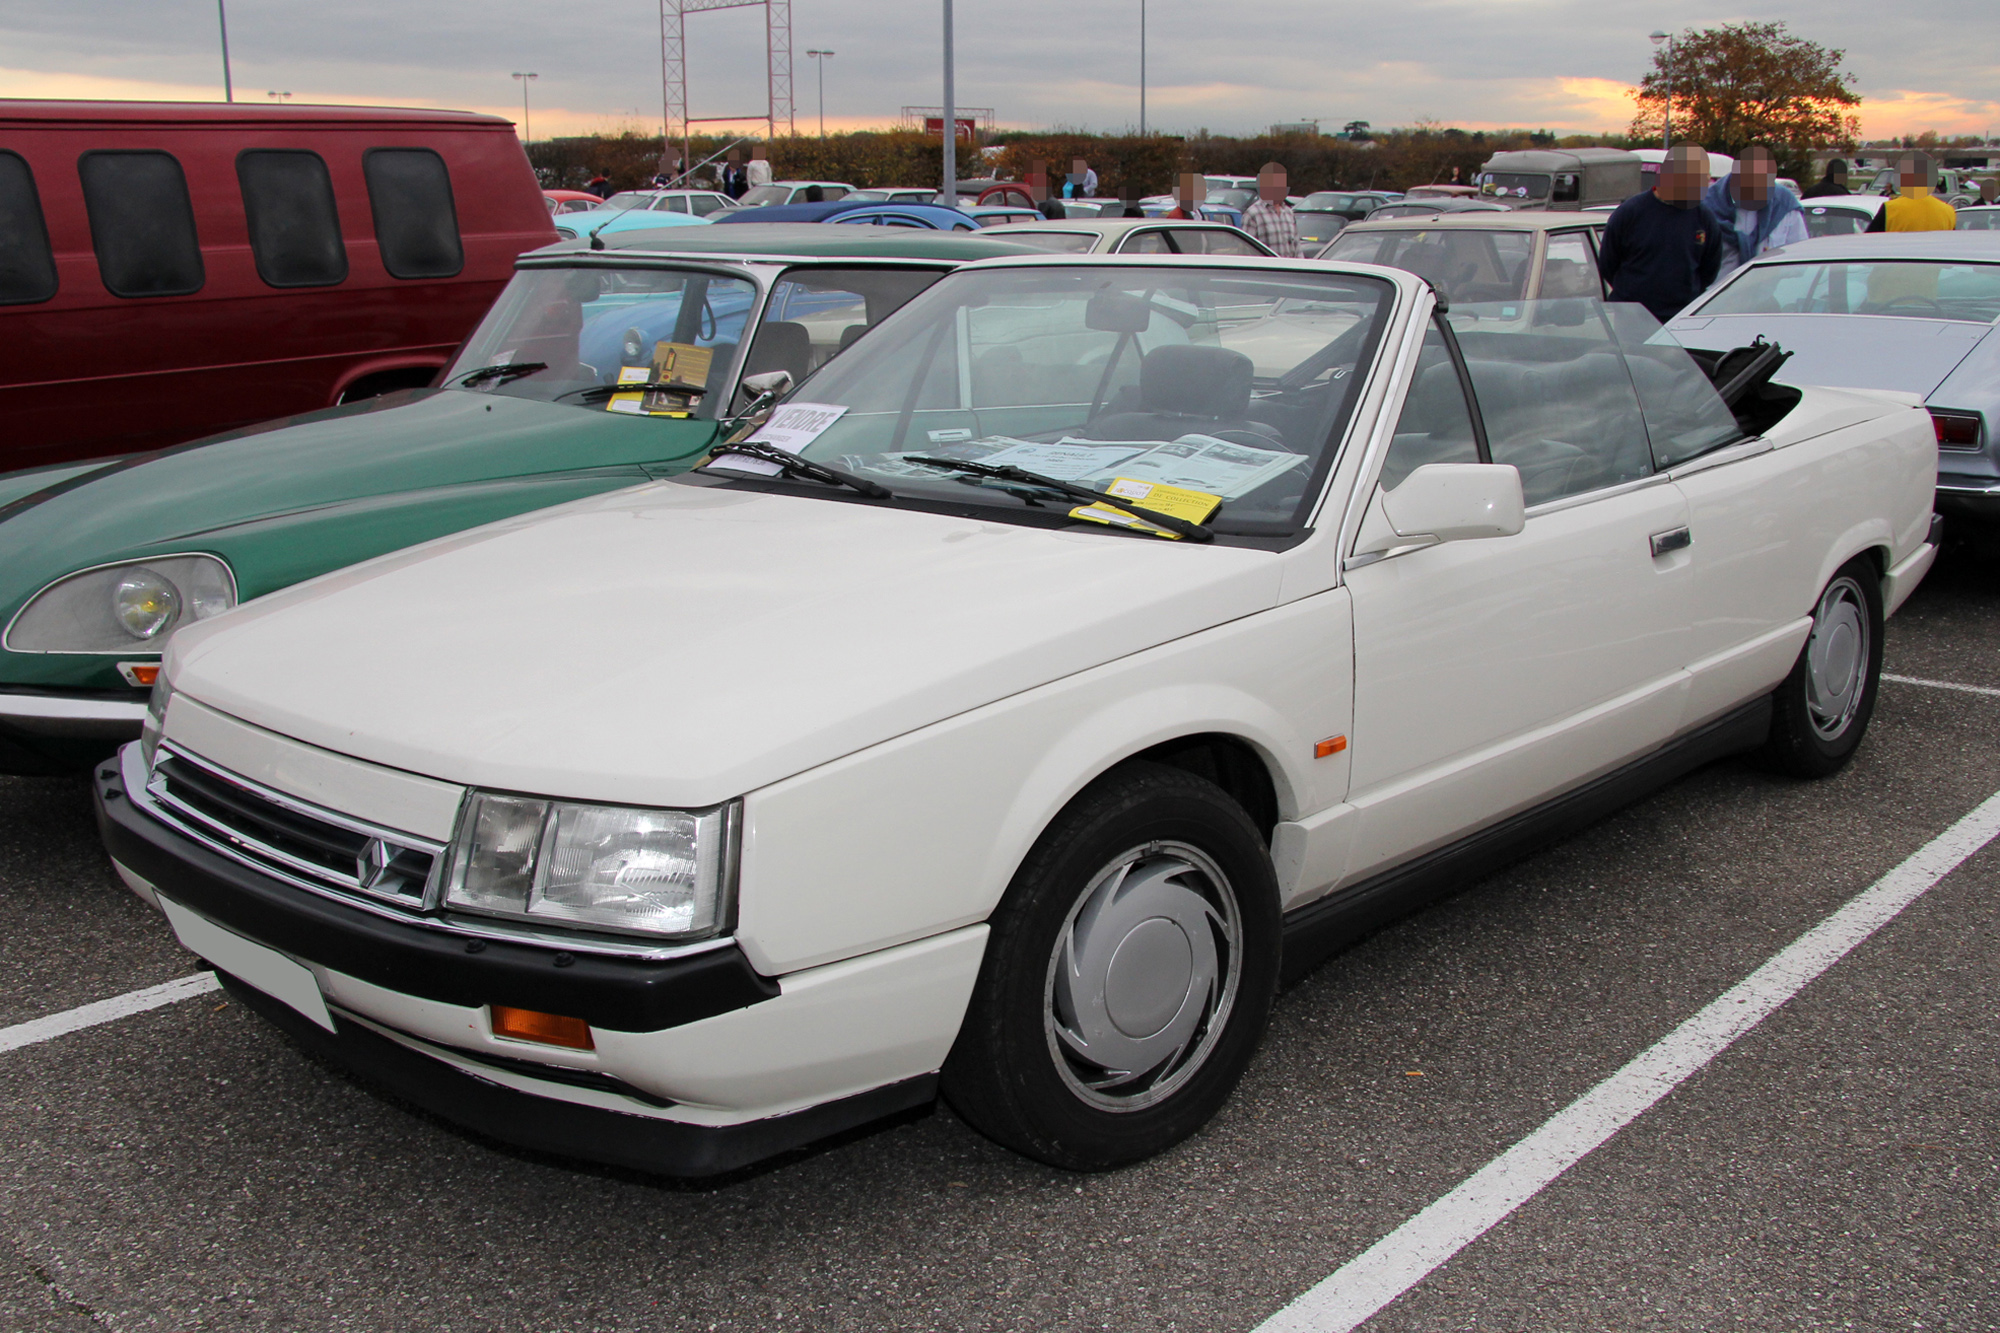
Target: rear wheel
(1822,710)
(1128,977)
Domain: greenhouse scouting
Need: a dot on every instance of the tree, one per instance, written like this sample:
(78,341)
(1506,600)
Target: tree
(1745,83)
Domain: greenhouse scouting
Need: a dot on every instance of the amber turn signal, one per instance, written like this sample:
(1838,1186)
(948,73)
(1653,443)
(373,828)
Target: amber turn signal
(548,1029)
(140,674)
(1331,745)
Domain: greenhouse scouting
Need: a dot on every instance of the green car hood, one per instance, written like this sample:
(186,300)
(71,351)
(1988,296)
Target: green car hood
(296,498)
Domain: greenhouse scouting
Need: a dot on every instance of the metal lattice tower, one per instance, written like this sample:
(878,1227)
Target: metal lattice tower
(673,64)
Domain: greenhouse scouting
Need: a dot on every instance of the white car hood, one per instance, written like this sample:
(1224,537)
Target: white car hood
(679,645)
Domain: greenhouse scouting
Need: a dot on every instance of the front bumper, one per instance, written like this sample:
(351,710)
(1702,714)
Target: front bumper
(700,1065)
(57,731)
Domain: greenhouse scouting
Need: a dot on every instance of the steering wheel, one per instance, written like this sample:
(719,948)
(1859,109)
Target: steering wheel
(1925,303)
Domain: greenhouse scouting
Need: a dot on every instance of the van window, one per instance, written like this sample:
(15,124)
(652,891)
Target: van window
(141,223)
(416,223)
(27,268)
(294,226)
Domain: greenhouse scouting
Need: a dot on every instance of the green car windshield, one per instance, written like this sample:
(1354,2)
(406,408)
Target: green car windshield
(1233,383)
(672,334)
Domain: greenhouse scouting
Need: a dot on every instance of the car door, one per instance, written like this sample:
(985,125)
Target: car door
(1569,267)
(1491,675)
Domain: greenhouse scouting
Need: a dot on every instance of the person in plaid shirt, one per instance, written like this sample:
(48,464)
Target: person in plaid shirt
(1271,220)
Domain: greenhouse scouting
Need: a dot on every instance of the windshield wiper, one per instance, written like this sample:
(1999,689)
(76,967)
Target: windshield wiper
(597,391)
(509,371)
(1007,472)
(798,465)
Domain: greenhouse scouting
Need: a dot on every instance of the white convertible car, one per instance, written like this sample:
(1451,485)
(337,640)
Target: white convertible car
(1094,645)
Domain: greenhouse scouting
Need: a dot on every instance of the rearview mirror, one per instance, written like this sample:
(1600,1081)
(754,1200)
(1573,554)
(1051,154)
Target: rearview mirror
(1117,312)
(1451,502)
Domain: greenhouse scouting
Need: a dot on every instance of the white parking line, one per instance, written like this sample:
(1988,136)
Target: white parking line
(1940,684)
(106,1011)
(1412,1251)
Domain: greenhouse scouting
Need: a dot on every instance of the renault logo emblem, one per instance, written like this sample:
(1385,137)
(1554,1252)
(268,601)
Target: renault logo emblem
(372,866)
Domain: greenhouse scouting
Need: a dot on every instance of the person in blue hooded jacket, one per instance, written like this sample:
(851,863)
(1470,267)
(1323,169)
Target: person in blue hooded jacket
(1756,213)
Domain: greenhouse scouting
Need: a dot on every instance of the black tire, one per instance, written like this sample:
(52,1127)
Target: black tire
(1016,1072)
(1814,730)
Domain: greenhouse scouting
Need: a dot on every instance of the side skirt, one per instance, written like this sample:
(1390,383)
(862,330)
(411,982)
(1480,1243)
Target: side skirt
(1320,929)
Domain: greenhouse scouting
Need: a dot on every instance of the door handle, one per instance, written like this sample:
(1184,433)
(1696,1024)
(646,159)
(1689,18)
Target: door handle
(1673,539)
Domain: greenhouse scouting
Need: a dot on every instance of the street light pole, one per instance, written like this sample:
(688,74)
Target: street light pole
(222,20)
(950,190)
(1667,68)
(821,56)
(527,125)
(1142,68)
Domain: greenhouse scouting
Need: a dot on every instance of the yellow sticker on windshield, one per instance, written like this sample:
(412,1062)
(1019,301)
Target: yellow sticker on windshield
(1173,501)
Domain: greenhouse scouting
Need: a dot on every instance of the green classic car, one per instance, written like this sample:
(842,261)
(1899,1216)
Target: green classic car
(600,366)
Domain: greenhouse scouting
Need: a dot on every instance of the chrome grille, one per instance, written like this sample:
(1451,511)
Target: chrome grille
(292,836)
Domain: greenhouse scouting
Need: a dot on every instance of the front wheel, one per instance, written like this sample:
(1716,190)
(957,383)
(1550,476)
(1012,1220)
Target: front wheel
(1128,977)
(1821,711)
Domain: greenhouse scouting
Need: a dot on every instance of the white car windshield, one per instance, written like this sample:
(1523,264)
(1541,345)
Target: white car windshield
(1236,384)
(1925,289)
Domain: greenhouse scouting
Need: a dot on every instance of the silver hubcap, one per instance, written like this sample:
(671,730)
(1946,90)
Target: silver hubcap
(1837,659)
(1143,975)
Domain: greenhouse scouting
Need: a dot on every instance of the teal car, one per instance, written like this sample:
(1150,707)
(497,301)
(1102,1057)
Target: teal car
(602,364)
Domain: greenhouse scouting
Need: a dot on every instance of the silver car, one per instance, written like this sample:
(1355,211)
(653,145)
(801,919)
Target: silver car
(1913,311)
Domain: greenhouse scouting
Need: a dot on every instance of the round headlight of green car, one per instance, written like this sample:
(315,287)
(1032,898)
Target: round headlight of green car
(132,606)
(144,603)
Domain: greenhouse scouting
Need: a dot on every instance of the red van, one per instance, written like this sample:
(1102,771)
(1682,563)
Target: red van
(170,270)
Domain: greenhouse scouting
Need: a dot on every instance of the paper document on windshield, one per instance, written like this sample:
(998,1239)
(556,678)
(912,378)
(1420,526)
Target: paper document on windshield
(792,426)
(1066,459)
(1204,463)
(1173,501)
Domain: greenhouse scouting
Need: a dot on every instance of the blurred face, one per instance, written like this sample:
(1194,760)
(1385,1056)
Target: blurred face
(1271,186)
(1077,168)
(1683,176)
(1913,173)
(1754,173)
(1192,190)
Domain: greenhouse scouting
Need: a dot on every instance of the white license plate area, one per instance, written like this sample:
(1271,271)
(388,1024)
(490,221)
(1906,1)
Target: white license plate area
(252,963)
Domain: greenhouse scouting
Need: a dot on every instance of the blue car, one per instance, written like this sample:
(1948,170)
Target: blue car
(603,222)
(929,217)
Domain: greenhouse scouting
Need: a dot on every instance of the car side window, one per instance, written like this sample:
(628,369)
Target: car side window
(676,203)
(141,223)
(1436,422)
(1555,395)
(416,221)
(27,266)
(1569,269)
(1152,241)
(1222,243)
(704,204)
(294,225)
(833,192)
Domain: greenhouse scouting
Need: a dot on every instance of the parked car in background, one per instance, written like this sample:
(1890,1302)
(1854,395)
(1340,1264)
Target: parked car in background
(1092,208)
(1131,236)
(1000,215)
(1093,644)
(1420,208)
(1485,257)
(1354,205)
(1979,217)
(174,269)
(1955,185)
(1561,179)
(1840,214)
(570,201)
(924,217)
(613,222)
(898,194)
(101,565)
(793,192)
(699,203)
(1910,311)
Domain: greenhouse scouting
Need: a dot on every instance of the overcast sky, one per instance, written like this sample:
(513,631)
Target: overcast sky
(1232,67)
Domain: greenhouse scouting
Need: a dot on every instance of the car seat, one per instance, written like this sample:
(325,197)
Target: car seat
(781,344)
(1187,388)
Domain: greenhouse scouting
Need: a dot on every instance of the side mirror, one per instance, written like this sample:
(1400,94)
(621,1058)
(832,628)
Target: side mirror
(765,390)
(1448,502)
(776,383)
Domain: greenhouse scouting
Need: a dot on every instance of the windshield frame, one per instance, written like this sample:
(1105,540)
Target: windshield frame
(1399,291)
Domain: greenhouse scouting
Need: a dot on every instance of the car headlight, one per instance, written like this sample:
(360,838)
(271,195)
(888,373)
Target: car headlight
(132,606)
(635,871)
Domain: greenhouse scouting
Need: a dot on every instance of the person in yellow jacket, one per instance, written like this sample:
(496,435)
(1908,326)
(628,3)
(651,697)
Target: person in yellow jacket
(1915,207)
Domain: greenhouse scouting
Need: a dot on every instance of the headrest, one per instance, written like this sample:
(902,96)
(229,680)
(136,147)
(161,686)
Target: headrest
(781,345)
(1196,381)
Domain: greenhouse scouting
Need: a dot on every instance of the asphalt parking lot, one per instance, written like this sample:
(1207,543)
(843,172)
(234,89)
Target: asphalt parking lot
(1837,1167)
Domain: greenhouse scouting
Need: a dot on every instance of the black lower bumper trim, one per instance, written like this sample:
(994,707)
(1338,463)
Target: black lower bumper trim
(1320,929)
(588,1133)
(619,993)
